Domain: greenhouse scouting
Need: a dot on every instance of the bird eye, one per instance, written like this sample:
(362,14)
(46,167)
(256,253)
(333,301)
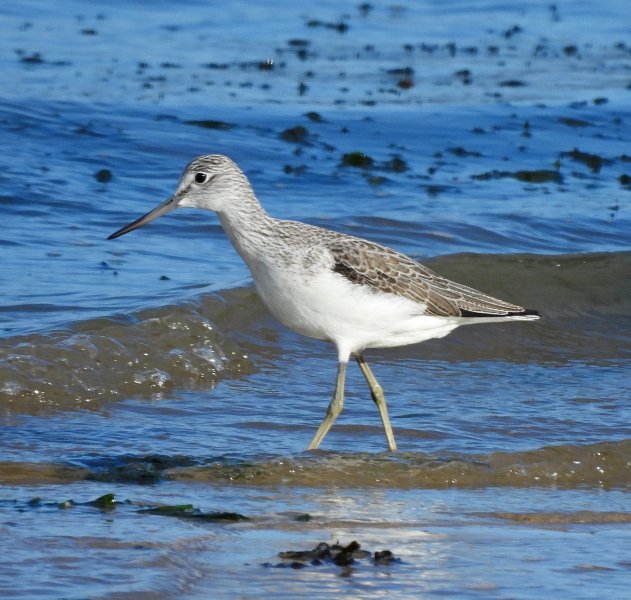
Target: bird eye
(200,177)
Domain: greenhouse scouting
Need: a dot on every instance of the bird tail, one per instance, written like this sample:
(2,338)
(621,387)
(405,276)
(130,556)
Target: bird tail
(526,314)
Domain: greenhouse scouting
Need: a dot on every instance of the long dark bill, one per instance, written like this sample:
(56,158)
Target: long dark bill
(158,211)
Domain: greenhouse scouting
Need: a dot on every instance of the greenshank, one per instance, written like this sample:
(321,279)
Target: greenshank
(331,286)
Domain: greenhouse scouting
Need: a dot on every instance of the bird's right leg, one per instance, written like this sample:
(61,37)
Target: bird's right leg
(378,398)
(335,408)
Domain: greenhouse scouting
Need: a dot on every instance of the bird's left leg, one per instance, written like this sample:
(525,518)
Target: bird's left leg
(376,392)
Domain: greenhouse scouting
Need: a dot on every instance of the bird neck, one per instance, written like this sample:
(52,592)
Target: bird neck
(247,225)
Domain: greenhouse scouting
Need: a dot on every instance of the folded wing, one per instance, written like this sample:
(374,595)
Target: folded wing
(390,272)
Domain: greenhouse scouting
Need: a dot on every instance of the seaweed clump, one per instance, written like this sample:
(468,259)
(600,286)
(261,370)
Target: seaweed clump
(336,554)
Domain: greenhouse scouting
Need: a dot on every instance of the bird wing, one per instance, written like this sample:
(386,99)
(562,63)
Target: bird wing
(391,272)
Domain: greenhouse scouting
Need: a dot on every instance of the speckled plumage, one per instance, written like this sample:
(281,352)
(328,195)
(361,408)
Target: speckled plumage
(332,286)
(388,271)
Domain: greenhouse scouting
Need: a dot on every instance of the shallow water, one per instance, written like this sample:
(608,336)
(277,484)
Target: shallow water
(147,368)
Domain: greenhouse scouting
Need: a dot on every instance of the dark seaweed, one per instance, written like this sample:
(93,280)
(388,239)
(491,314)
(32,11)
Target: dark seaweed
(337,554)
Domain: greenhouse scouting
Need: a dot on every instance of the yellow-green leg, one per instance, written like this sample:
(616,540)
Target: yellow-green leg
(335,408)
(376,392)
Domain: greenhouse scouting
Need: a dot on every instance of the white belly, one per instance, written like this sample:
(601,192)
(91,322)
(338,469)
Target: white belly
(326,306)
